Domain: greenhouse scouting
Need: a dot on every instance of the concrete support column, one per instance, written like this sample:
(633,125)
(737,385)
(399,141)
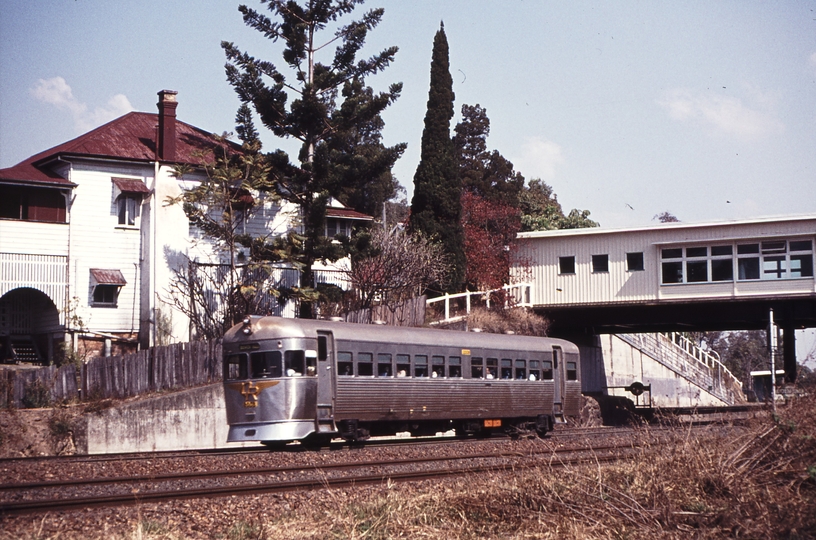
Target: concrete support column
(789,352)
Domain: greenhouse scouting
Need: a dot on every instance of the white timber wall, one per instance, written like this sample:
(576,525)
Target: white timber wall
(539,253)
(98,241)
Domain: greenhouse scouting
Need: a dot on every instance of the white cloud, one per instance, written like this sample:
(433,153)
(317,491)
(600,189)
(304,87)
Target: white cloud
(539,158)
(724,114)
(55,91)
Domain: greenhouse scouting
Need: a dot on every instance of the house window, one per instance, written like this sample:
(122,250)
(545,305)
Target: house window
(127,196)
(566,265)
(336,227)
(105,287)
(634,262)
(32,204)
(127,208)
(600,263)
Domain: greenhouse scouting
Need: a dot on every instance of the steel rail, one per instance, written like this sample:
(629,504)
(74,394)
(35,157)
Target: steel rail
(25,507)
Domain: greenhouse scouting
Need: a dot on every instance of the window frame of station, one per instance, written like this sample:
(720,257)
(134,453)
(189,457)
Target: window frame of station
(453,365)
(566,265)
(748,260)
(600,263)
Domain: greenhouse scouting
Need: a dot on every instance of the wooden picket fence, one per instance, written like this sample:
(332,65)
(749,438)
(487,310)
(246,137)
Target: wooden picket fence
(171,367)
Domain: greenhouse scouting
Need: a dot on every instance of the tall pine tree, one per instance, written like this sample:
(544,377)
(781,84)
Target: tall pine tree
(314,116)
(436,205)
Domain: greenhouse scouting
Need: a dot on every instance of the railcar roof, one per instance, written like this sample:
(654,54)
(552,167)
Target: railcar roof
(280,328)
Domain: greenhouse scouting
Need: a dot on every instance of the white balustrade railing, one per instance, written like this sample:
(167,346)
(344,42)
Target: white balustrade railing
(516,295)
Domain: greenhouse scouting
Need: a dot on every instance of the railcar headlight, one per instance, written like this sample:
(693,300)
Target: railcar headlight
(247,329)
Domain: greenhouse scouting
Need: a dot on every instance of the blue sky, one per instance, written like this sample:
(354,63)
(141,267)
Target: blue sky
(706,109)
(628,109)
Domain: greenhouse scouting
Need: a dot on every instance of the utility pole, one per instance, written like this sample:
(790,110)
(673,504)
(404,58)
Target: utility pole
(773,346)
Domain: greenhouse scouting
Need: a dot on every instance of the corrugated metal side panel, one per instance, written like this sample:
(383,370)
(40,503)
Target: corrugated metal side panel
(391,399)
(539,259)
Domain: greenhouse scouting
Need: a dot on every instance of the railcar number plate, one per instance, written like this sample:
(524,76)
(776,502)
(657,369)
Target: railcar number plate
(492,423)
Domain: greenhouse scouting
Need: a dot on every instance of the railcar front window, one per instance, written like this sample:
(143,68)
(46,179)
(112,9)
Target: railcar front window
(295,363)
(420,365)
(235,367)
(365,364)
(384,368)
(266,364)
(345,364)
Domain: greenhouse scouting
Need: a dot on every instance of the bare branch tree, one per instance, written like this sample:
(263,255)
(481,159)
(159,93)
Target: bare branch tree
(400,266)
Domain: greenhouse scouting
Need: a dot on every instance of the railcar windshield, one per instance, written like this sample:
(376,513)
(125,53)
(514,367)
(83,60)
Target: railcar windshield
(235,367)
(266,364)
(269,364)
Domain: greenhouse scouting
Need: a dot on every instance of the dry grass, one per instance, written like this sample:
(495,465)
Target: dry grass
(516,320)
(754,483)
(757,482)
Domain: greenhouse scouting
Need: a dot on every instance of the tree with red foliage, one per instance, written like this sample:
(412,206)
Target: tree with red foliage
(490,229)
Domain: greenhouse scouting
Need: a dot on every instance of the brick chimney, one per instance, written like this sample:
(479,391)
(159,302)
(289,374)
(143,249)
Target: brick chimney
(166,145)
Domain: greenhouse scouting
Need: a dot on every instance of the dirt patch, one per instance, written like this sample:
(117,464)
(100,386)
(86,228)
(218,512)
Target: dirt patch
(38,432)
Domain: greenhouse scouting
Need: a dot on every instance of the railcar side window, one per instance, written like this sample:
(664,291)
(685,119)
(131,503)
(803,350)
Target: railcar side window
(506,368)
(476,368)
(455,367)
(420,365)
(547,370)
(384,368)
(266,364)
(295,362)
(365,364)
(235,367)
(521,369)
(438,366)
(345,365)
(492,368)
(535,372)
(403,365)
(572,371)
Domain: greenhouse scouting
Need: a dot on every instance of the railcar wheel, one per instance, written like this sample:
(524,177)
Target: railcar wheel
(275,445)
(315,441)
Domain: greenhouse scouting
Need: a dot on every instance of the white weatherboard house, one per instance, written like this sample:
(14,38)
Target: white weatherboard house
(86,234)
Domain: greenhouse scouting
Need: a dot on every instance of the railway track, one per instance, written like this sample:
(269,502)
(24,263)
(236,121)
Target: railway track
(31,497)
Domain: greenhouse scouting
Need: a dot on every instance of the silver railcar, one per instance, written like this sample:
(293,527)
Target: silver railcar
(314,380)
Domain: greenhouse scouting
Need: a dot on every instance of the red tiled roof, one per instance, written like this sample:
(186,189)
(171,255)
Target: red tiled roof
(130,137)
(346,213)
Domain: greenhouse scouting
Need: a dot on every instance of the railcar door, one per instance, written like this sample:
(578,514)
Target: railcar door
(325,382)
(558,390)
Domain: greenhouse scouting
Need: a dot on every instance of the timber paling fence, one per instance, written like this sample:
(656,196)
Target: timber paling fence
(169,367)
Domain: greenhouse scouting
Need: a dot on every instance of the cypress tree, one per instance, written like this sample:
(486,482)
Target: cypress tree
(436,206)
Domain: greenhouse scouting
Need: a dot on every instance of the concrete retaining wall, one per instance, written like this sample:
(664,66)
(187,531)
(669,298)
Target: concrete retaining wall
(191,419)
